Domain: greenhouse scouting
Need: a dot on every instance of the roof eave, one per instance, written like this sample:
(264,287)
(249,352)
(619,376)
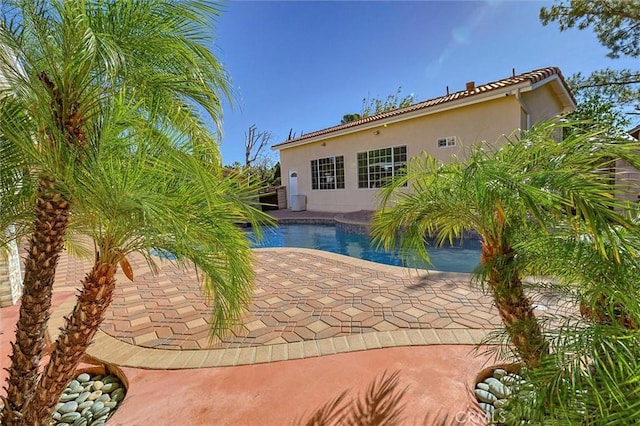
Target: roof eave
(563,91)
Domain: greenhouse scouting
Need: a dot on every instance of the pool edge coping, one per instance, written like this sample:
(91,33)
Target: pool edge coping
(402,271)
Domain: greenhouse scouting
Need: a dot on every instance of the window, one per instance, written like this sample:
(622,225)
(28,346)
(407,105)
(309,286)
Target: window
(448,141)
(377,167)
(327,173)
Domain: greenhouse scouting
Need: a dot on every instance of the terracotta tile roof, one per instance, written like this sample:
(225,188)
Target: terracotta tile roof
(530,77)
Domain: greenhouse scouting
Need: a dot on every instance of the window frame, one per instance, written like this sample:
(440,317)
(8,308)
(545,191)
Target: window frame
(389,162)
(446,142)
(327,173)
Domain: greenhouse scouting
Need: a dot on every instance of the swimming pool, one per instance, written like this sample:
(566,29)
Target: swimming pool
(459,258)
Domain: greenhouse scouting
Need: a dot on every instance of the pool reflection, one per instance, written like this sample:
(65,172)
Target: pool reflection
(461,257)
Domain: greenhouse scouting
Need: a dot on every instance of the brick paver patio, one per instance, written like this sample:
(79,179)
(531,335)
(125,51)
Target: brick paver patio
(306,303)
(300,295)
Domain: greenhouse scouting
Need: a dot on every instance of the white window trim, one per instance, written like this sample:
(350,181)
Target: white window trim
(334,178)
(368,153)
(449,141)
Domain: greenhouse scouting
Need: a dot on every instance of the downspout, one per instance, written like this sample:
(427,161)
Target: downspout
(524,108)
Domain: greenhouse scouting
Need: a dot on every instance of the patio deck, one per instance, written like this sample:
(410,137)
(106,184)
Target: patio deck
(306,303)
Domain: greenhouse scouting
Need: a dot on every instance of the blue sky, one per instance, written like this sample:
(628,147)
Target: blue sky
(302,65)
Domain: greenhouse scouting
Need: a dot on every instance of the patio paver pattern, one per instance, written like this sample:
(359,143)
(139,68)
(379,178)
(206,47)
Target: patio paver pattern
(299,296)
(306,303)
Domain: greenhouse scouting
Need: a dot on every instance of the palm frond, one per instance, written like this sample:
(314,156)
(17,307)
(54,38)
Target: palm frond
(591,377)
(381,405)
(329,413)
(145,193)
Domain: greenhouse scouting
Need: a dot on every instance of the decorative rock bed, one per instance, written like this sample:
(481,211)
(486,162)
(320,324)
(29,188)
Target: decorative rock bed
(493,392)
(89,400)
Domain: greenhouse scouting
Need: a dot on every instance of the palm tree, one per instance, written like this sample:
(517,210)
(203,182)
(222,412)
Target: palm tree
(591,374)
(533,182)
(65,64)
(146,193)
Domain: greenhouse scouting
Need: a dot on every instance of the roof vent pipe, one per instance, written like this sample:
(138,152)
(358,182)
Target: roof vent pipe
(470,86)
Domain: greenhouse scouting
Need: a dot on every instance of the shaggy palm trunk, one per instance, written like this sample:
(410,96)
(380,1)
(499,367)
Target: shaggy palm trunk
(514,306)
(52,214)
(73,341)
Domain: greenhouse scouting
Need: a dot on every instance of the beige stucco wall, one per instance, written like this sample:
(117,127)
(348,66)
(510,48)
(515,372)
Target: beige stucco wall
(485,122)
(542,104)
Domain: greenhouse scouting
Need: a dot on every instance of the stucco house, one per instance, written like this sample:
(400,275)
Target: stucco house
(339,169)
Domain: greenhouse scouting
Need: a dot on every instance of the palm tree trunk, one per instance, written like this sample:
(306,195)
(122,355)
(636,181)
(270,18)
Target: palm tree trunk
(50,225)
(607,312)
(73,341)
(515,308)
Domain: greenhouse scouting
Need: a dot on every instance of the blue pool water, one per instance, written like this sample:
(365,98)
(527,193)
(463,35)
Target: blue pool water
(458,258)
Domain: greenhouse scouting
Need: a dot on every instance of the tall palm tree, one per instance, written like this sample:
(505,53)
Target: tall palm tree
(533,182)
(63,63)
